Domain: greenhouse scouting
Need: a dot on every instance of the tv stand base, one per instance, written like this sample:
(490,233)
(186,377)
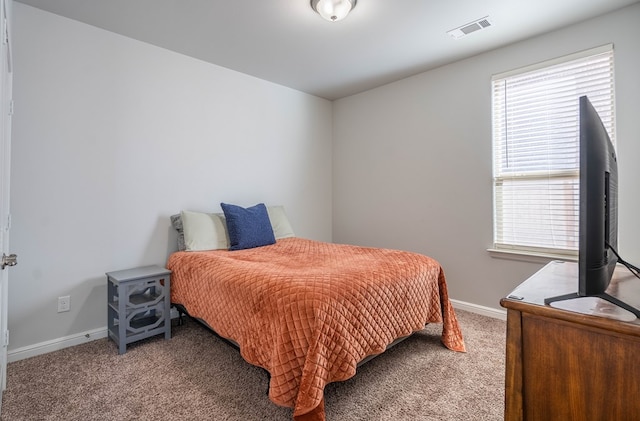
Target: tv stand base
(604,296)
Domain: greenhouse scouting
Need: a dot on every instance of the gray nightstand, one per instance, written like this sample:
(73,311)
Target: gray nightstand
(139,304)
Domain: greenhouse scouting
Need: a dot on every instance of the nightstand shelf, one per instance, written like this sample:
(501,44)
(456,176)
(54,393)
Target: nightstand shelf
(139,304)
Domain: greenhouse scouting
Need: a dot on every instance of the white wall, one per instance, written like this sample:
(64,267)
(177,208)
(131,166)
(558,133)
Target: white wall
(413,163)
(111,136)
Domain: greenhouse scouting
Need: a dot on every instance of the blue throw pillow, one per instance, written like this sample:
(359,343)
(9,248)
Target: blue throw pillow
(248,227)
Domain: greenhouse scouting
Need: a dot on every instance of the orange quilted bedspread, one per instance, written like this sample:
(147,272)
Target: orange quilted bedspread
(309,311)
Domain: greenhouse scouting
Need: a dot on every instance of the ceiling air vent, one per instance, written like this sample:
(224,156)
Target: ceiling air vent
(474,26)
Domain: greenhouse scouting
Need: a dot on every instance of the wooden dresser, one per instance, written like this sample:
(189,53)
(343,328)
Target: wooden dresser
(576,359)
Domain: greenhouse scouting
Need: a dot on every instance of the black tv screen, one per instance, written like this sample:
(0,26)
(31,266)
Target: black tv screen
(598,211)
(598,218)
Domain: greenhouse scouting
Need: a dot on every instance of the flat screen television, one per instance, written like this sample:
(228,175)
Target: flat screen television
(598,211)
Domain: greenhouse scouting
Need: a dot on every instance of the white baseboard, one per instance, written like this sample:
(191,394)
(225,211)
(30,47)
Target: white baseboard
(61,343)
(92,335)
(56,344)
(478,309)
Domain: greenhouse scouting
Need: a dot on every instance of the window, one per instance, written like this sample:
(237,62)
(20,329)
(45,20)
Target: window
(536,149)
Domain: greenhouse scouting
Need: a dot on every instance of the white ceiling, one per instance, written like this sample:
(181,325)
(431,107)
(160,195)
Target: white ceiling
(286,42)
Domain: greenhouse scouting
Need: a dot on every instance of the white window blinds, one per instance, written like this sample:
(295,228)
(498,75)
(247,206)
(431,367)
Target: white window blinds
(536,149)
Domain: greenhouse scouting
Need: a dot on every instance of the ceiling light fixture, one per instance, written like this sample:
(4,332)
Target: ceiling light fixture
(333,10)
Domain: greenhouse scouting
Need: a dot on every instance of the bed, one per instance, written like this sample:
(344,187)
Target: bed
(308,311)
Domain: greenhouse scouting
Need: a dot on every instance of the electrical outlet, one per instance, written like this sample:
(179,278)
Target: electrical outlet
(64,303)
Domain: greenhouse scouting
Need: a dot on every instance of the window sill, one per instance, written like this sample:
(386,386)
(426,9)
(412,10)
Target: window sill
(531,257)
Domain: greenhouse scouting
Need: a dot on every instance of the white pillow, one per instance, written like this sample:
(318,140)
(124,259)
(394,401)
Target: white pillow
(204,231)
(279,222)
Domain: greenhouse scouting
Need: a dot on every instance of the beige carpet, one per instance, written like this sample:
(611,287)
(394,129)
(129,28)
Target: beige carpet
(197,376)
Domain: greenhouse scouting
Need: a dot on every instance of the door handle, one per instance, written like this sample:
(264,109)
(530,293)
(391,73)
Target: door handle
(10,260)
